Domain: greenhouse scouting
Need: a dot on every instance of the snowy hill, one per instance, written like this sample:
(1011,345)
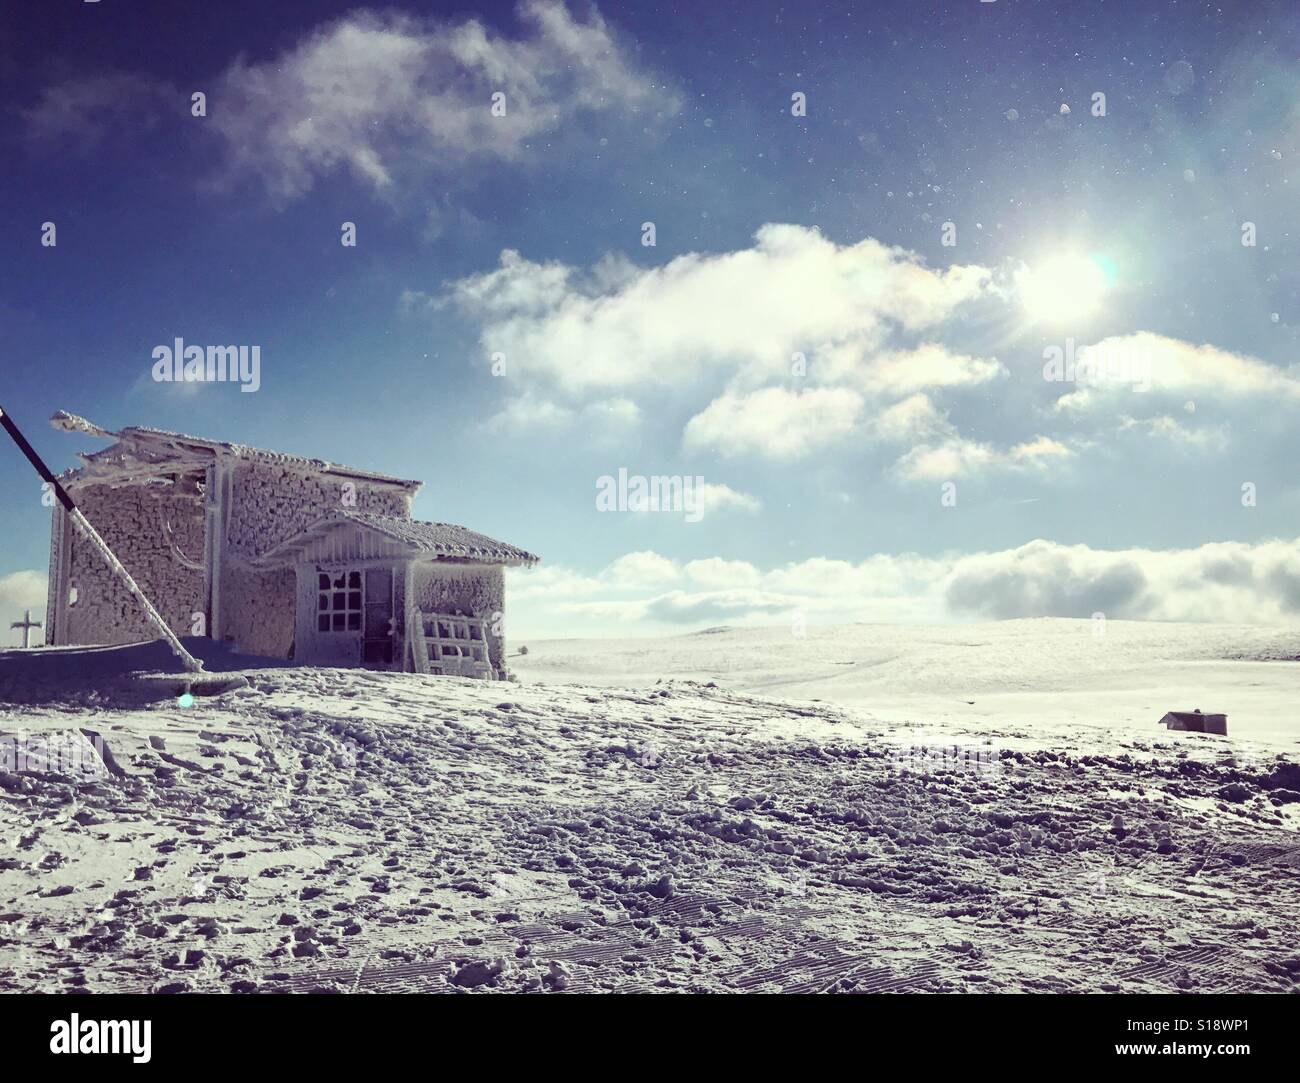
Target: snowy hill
(1027,673)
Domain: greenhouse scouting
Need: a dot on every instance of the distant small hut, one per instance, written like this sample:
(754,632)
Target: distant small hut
(1196,722)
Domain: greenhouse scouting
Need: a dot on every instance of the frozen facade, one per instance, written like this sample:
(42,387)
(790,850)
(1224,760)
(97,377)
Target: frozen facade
(274,554)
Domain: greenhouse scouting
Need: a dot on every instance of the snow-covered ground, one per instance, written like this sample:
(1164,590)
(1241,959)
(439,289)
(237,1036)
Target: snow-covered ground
(724,811)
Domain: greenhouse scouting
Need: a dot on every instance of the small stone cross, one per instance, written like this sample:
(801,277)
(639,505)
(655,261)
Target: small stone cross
(26,624)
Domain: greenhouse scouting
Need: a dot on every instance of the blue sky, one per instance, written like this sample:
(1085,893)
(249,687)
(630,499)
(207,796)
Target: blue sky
(831,488)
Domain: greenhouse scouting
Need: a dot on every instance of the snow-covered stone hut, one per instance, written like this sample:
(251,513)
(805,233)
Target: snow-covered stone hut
(274,554)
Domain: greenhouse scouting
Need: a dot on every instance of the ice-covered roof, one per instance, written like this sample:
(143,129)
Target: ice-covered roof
(445,541)
(140,446)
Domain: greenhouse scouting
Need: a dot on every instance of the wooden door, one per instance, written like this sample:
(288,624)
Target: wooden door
(377,628)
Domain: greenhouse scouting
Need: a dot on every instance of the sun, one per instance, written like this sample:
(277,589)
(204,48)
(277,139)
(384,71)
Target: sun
(1063,288)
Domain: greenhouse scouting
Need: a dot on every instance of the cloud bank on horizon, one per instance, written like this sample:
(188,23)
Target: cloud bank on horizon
(1230,582)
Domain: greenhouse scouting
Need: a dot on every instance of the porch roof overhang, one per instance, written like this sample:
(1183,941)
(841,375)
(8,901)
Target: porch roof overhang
(393,536)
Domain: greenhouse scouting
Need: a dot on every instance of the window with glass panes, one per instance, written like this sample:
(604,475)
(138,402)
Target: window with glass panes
(338,606)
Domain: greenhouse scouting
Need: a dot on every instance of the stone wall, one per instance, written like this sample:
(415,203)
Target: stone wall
(131,520)
(257,610)
(472,589)
(271,503)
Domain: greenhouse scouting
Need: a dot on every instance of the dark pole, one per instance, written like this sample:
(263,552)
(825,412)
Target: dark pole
(35,460)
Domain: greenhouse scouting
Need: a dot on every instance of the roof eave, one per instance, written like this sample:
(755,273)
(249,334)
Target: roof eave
(284,553)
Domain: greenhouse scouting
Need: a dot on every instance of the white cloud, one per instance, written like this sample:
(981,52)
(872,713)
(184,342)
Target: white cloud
(691,495)
(642,569)
(602,419)
(681,607)
(526,413)
(518,288)
(714,496)
(381,94)
(742,313)
(1207,437)
(774,421)
(928,366)
(81,112)
(1170,367)
(617,414)
(914,418)
(1223,581)
(717,573)
(549,584)
(958,458)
